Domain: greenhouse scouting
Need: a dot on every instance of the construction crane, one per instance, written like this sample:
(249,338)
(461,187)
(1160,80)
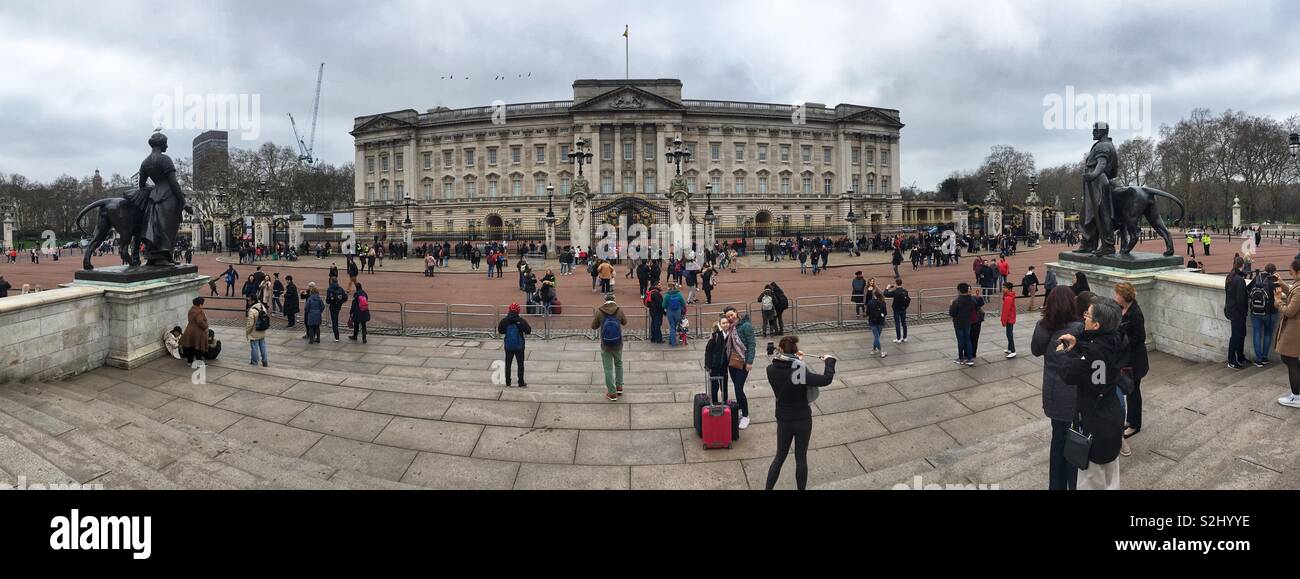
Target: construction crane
(305,149)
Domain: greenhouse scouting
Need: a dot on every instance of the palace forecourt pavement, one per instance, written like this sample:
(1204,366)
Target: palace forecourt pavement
(403,412)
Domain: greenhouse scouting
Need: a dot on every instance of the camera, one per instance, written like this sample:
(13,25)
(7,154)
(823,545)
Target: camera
(771,348)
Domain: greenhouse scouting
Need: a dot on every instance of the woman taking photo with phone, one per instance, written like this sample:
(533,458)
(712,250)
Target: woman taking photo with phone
(791,382)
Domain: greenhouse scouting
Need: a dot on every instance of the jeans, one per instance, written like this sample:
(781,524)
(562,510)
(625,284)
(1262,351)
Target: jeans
(738,377)
(1262,326)
(612,360)
(1061,475)
(359,327)
(900,324)
(803,267)
(334,322)
(674,318)
(313,333)
(1011,338)
(801,433)
(875,336)
(1237,343)
(963,344)
(254,348)
(656,327)
(769,320)
(604,286)
(512,355)
(974,339)
(1134,405)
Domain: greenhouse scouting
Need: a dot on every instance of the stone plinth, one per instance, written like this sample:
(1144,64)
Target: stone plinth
(1183,310)
(1136,261)
(137,313)
(121,274)
(52,333)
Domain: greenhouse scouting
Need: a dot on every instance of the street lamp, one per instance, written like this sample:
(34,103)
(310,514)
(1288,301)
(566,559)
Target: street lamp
(1294,146)
(262,192)
(407,200)
(993,181)
(678,155)
(850,217)
(580,154)
(550,198)
(708,199)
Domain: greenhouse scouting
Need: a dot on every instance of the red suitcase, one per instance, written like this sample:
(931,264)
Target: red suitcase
(718,424)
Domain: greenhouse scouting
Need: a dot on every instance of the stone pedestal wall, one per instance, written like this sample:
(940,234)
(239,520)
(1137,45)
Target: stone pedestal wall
(1183,310)
(85,325)
(52,333)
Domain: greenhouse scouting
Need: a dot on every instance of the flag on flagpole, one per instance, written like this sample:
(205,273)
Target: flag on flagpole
(624,31)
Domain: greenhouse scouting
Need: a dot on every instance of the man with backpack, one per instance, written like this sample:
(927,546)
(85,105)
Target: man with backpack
(514,328)
(609,321)
(1263,311)
(654,302)
(335,297)
(780,304)
(1029,286)
(256,323)
(231,275)
(674,306)
(360,314)
(901,301)
(768,303)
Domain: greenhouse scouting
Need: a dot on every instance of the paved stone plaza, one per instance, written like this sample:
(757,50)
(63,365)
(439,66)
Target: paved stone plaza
(422,412)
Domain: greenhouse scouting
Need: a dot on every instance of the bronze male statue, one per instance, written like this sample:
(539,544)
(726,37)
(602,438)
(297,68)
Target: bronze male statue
(1097,219)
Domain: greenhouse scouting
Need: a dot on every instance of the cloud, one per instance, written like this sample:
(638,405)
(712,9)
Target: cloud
(77,90)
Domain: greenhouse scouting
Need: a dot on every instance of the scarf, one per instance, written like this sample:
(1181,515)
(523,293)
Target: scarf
(734,343)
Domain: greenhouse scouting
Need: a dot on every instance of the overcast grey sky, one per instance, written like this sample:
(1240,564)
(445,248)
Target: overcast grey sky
(79,80)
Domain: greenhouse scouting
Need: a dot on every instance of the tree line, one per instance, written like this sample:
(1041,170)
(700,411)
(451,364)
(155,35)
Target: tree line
(1205,159)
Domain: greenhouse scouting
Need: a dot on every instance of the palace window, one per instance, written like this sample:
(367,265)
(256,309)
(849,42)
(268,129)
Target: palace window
(539,154)
(383,191)
(884,157)
(492,155)
(370,164)
(564,186)
(785,185)
(492,188)
(870,156)
(516,186)
(716,181)
(871,185)
(427,159)
(428,191)
(447,158)
(762,151)
(469,157)
(629,183)
(471,188)
(826,155)
(691,185)
(516,152)
(740,152)
(398,162)
(856,155)
(762,185)
(739,185)
(805,153)
(607,184)
(807,185)
(649,184)
(628,150)
(715,151)
(856,183)
(884,184)
(448,190)
(785,153)
(690,148)
(607,151)
(383,163)
(826,186)
(564,154)
(370,192)
(400,193)
(648,149)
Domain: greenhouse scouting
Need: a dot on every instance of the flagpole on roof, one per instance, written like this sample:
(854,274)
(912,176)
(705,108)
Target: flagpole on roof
(627,62)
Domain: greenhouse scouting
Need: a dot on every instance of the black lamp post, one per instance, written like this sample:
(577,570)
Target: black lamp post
(262,192)
(580,154)
(407,201)
(993,181)
(1294,147)
(678,155)
(851,217)
(550,198)
(708,199)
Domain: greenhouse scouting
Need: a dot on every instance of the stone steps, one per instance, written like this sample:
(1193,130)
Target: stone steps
(144,453)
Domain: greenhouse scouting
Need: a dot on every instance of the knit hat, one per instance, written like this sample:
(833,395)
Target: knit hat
(514,308)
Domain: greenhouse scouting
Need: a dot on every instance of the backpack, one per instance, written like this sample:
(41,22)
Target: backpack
(904,300)
(1259,300)
(782,302)
(767,302)
(611,332)
(263,322)
(363,304)
(514,338)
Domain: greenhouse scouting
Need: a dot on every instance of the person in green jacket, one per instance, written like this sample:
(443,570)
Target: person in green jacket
(741,342)
(1205,240)
(1191,246)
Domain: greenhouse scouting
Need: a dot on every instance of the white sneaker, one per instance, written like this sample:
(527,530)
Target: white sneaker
(897,341)
(1006,350)
(744,422)
(1290,400)
(1011,354)
(882,353)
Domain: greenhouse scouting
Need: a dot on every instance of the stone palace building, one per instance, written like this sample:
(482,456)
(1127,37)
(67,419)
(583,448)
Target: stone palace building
(482,173)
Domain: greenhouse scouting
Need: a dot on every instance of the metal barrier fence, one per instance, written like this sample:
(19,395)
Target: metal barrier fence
(807,314)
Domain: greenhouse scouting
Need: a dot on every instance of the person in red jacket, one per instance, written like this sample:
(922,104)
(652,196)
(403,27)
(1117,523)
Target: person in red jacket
(1004,270)
(1009,315)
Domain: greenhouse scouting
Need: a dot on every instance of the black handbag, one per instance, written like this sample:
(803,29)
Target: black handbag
(1078,445)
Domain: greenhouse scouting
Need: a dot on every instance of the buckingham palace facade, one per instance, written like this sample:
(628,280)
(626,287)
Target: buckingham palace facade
(769,169)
